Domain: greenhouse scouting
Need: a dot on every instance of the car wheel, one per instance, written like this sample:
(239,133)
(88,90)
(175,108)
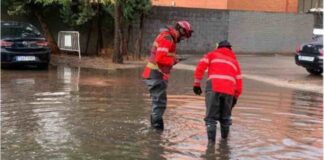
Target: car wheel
(315,71)
(43,66)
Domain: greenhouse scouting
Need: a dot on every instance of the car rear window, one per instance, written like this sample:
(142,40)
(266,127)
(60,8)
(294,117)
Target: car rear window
(18,30)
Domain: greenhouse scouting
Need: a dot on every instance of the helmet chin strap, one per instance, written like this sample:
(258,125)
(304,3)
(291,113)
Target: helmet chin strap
(178,39)
(182,35)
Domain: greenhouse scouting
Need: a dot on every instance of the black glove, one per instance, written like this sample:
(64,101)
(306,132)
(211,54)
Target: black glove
(197,90)
(182,59)
(234,102)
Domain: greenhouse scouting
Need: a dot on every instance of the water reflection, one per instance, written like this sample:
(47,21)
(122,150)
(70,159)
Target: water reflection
(155,149)
(224,150)
(218,151)
(68,113)
(70,77)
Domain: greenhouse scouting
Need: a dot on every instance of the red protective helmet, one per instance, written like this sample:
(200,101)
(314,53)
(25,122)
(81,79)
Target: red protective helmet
(184,28)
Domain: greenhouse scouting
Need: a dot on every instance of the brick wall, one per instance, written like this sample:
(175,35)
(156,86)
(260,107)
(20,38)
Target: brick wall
(211,4)
(249,32)
(209,27)
(264,5)
(290,6)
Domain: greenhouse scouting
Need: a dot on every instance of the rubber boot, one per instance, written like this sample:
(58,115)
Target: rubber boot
(157,123)
(211,133)
(224,132)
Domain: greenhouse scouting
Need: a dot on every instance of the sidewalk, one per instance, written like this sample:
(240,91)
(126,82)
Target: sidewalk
(92,62)
(277,70)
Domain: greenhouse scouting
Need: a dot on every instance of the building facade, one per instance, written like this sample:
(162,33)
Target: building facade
(288,6)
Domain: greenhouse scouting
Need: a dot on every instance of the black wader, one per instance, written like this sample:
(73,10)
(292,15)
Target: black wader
(218,108)
(157,88)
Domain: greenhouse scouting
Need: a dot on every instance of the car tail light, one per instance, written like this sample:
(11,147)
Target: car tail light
(5,43)
(298,48)
(42,43)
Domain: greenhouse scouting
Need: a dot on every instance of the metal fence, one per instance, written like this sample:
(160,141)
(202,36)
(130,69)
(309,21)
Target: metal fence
(69,41)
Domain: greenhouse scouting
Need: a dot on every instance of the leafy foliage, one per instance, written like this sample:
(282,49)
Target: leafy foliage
(83,14)
(18,7)
(86,10)
(134,8)
(77,13)
(25,7)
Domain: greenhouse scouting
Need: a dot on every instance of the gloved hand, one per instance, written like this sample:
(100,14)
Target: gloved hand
(182,58)
(197,90)
(179,59)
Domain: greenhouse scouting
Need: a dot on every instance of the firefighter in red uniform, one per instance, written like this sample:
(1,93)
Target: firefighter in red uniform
(156,73)
(223,87)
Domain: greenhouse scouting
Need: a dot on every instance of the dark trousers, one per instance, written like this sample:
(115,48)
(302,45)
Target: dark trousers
(218,108)
(157,88)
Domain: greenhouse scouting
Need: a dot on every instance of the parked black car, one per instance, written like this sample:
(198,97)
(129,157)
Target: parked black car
(22,44)
(310,56)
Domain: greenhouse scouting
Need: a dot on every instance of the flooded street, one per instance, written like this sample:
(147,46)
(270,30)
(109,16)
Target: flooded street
(72,113)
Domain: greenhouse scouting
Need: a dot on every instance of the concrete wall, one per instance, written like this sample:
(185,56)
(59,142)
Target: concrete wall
(256,32)
(249,32)
(209,27)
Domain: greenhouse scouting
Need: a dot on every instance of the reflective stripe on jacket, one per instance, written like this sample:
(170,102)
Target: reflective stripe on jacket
(223,71)
(162,56)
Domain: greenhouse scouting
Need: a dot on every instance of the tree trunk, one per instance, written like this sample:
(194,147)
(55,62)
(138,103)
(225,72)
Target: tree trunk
(122,38)
(88,37)
(99,40)
(47,33)
(126,39)
(140,37)
(99,37)
(117,56)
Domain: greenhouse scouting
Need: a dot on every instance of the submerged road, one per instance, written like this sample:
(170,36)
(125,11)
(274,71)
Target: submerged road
(72,113)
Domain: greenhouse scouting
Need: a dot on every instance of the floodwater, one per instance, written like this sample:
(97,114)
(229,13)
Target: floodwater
(68,113)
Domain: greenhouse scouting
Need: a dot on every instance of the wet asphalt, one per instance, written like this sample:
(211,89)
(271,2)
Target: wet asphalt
(73,113)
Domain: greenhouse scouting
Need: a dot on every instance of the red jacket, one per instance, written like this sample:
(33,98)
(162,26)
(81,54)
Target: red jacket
(223,71)
(162,57)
